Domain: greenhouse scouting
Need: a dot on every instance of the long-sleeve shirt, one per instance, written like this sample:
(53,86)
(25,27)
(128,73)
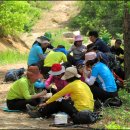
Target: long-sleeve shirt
(21,89)
(80,94)
(58,82)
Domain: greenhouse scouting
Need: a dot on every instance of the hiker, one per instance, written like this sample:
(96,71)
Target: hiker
(101,46)
(36,55)
(78,50)
(101,80)
(117,50)
(80,94)
(57,55)
(22,91)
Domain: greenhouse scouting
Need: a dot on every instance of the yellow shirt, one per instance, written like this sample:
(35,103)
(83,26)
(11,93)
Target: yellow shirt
(80,94)
(54,57)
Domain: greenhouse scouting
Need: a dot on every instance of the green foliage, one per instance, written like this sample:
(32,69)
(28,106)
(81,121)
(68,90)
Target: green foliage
(15,16)
(46,5)
(10,56)
(57,38)
(95,15)
(113,125)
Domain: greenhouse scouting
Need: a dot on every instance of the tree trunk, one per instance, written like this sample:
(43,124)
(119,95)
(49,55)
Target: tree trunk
(127,40)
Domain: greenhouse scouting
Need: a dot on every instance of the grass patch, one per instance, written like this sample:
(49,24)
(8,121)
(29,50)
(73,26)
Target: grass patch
(116,118)
(10,56)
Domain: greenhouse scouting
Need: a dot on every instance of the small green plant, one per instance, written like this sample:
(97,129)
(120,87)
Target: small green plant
(113,125)
(10,56)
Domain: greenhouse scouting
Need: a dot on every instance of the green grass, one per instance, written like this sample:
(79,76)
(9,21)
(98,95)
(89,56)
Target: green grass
(116,118)
(10,56)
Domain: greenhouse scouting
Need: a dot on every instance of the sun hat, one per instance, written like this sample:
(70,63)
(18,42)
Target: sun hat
(57,69)
(42,40)
(34,73)
(70,72)
(90,56)
(78,38)
(48,36)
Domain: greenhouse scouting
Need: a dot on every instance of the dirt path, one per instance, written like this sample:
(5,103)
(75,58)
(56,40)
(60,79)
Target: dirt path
(54,19)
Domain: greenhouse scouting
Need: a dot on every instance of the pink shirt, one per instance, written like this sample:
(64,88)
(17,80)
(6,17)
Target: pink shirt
(58,82)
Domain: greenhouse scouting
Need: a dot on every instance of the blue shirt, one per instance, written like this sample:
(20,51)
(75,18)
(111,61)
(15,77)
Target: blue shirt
(104,77)
(35,51)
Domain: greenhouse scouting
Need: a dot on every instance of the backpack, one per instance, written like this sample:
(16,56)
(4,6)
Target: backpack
(14,74)
(85,117)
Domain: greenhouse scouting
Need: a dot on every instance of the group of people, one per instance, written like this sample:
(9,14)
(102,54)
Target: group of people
(82,75)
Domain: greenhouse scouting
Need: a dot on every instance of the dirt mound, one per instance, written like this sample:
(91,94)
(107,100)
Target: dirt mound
(13,43)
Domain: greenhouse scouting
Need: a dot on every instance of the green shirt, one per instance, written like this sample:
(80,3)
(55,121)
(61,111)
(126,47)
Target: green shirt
(21,89)
(54,57)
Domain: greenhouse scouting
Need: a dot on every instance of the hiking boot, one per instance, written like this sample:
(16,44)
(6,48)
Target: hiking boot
(30,108)
(34,114)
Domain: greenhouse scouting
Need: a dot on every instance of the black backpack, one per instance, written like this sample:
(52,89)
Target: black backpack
(14,74)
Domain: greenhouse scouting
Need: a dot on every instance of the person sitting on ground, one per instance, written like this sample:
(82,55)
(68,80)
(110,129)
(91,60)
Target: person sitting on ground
(22,91)
(101,46)
(105,86)
(36,55)
(80,94)
(78,50)
(58,55)
(117,50)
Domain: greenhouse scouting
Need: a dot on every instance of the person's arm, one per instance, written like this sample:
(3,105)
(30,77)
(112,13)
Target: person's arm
(48,81)
(39,95)
(64,91)
(40,53)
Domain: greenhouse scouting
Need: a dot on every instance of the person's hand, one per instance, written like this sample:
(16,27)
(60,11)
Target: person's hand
(43,93)
(42,105)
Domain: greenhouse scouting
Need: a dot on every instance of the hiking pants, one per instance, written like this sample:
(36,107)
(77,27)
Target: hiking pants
(102,95)
(20,104)
(54,107)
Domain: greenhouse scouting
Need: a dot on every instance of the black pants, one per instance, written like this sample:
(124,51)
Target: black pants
(20,104)
(100,94)
(54,107)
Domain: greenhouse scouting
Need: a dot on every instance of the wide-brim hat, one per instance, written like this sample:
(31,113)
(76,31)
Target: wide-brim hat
(57,72)
(34,73)
(90,56)
(78,38)
(42,40)
(57,69)
(70,72)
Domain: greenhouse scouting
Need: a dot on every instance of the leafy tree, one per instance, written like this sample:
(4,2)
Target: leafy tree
(99,14)
(15,16)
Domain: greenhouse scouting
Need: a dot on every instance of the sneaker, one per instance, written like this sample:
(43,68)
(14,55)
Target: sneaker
(30,108)
(34,114)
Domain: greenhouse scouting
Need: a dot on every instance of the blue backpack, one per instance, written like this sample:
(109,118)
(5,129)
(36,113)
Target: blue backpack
(14,74)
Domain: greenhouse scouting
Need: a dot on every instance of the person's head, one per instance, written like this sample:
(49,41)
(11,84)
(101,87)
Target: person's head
(33,74)
(78,40)
(118,43)
(93,35)
(43,42)
(90,59)
(57,70)
(80,68)
(91,48)
(71,74)
(48,36)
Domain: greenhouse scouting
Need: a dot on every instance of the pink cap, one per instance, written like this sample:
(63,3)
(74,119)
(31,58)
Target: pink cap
(78,38)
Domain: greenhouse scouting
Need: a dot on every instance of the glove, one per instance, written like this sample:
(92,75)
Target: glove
(39,84)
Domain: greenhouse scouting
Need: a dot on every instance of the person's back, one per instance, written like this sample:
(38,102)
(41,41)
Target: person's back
(54,57)
(104,77)
(33,55)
